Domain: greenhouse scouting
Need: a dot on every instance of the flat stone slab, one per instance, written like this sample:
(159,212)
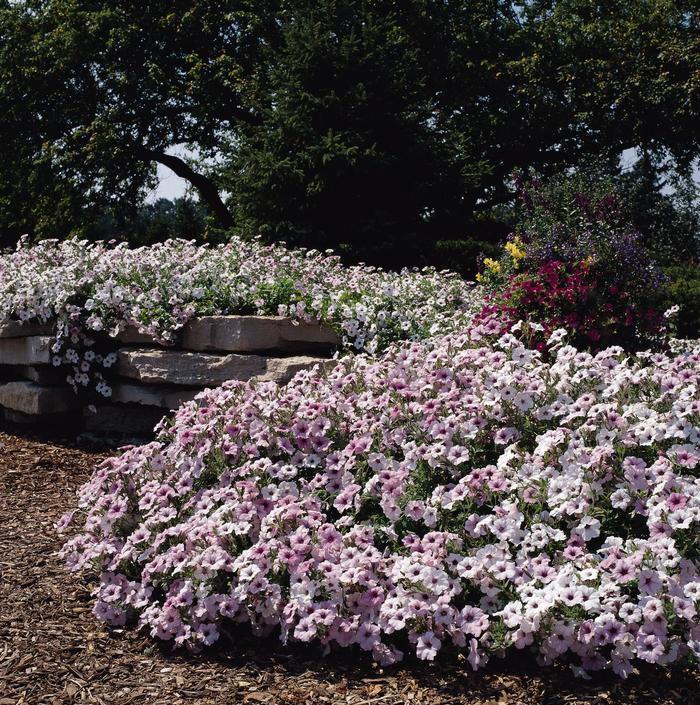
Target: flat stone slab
(163,397)
(32,350)
(132,336)
(19,329)
(205,369)
(30,398)
(256,333)
(126,420)
(19,418)
(45,376)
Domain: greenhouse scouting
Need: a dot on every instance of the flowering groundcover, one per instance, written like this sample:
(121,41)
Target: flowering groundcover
(445,495)
(94,291)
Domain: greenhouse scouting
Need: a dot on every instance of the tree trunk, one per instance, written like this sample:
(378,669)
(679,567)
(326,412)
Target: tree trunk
(205,187)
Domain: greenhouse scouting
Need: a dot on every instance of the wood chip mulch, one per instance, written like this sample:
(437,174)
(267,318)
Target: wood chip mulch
(54,652)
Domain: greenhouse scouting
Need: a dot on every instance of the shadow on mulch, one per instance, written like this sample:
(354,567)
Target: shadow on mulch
(54,652)
(514,679)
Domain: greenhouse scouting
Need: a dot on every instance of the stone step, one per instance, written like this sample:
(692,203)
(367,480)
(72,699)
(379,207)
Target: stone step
(31,350)
(30,398)
(256,333)
(18,329)
(132,336)
(163,397)
(24,419)
(205,369)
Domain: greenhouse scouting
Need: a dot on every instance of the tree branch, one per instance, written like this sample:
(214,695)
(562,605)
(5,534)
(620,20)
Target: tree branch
(205,187)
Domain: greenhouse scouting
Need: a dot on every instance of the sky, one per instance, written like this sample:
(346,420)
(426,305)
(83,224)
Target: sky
(169,185)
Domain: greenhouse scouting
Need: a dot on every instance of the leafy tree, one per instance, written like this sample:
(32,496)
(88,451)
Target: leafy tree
(183,218)
(354,151)
(379,128)
(95,94)
(391,146)
(665,207)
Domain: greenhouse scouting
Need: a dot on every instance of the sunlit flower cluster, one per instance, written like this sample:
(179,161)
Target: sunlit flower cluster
(447,495)
(574,296)
(94,291)
(575,260)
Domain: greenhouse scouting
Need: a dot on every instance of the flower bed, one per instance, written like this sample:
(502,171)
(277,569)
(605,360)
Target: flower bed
(442,496)
(95,292)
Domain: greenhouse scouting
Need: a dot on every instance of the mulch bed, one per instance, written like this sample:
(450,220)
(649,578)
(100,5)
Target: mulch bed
(53,651)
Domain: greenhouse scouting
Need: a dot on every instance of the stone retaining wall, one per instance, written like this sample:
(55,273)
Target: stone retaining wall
(152,379)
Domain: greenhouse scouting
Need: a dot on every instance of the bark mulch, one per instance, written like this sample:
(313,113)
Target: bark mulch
(54,652)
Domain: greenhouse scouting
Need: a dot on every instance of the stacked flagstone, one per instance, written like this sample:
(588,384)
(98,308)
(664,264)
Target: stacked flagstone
(152,379)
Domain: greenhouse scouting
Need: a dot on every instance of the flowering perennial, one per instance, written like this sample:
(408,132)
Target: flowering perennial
(94,291)
(575,297)
(442,496)
(576,261)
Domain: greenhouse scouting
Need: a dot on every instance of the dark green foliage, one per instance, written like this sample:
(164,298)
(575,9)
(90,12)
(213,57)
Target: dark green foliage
(380,143)
(182,218)
(94,95)
(683,290)
(376,128)
(361,150)
(463,256)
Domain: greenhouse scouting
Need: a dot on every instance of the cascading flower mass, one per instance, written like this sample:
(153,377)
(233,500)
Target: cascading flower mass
(95,291)
(445,495)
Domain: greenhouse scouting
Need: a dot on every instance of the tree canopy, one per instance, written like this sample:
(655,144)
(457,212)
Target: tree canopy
(373,127)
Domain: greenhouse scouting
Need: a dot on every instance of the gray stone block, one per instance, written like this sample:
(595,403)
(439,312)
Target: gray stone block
(205,369)
(47,421)
(18,329)
(19,418)
(43,375)
(256,333)
(30,398)
(131,336)
(32,350)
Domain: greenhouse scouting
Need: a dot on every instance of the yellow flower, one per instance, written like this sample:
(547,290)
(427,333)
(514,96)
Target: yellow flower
(492,264)
(479,276)
(514,250)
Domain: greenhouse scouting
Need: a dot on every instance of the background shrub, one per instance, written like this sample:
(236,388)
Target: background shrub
(576,261)
(375,129)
